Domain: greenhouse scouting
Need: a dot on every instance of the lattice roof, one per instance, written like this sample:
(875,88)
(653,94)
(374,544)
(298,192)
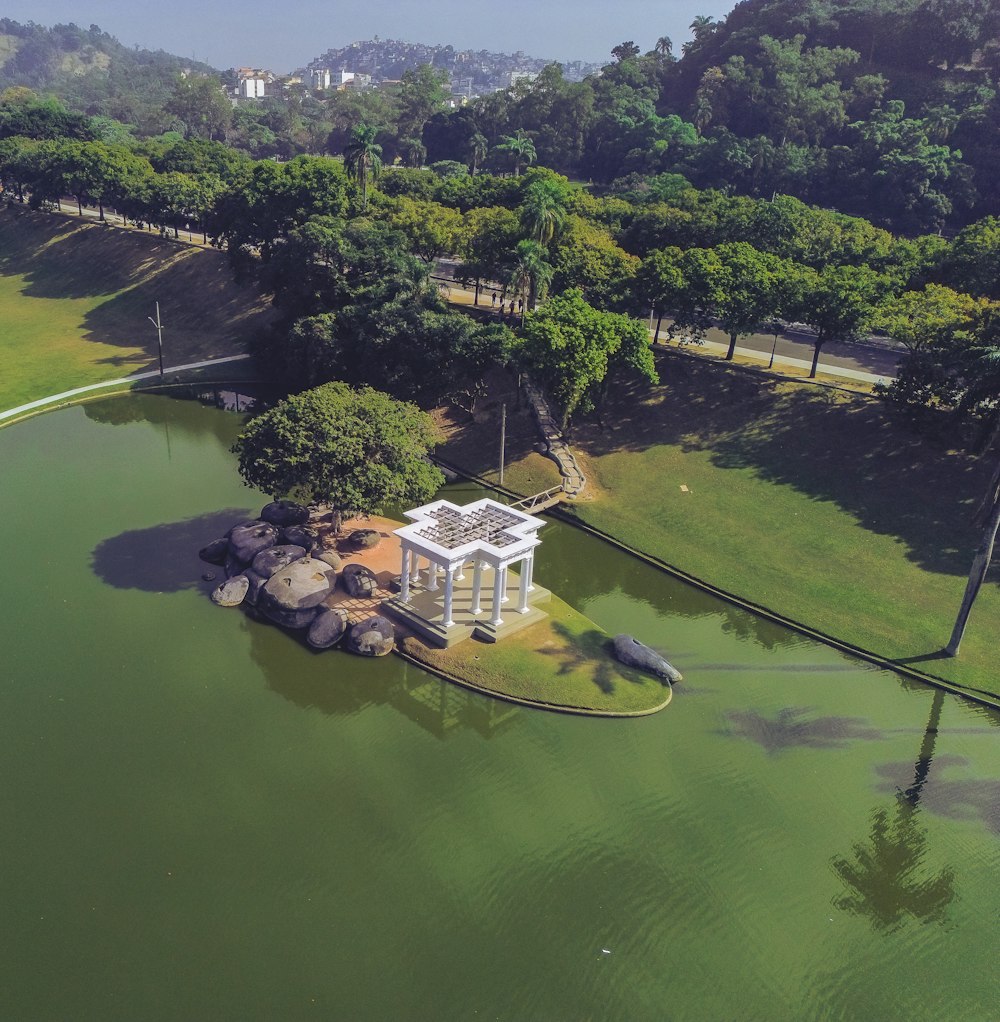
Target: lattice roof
(486,527)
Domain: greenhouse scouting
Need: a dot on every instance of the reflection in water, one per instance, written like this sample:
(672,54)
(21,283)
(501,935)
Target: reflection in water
(609,570)
(884,876)
(163,558)
(790,728)
(340,684)
(228,400)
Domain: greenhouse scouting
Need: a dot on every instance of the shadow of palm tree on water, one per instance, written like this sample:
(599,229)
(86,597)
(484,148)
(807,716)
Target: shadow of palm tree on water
(884,874)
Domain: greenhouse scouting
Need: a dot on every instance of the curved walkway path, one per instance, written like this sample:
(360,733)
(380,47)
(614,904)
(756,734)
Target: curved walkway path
(13,413)
(574,480)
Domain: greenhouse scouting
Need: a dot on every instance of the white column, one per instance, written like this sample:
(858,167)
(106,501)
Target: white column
(449,593)
(496,620)
(414,566)
(522,603)
(460,574)
(404,580)
(503,585)
(432,575)
(529,570)
(477,583)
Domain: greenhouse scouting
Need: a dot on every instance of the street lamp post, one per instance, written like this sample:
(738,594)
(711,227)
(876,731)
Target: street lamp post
(159,334)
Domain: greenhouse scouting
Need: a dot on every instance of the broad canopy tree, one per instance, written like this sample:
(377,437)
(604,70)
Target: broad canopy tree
(360,451)
(572,349)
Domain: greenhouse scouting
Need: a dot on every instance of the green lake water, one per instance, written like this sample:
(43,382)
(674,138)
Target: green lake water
(200,819)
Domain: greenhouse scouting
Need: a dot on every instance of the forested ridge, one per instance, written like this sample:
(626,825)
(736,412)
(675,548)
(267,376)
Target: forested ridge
(886,109)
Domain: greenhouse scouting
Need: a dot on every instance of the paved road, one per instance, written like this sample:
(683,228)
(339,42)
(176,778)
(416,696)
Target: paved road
(794,349)
(862,362)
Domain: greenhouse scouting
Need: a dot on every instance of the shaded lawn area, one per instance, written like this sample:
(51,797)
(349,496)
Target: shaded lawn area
(473,443)
(75,296)
(808,501)
(564,660)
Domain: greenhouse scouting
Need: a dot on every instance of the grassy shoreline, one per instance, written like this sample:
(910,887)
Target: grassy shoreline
(809,501)
(75,296)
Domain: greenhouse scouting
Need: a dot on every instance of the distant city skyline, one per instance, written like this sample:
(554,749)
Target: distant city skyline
(232,33)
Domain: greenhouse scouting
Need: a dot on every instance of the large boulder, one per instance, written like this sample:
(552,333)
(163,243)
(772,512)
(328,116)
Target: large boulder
(246,541)
(330,557)
(285,512)
(374,637)
(246,523)
(634,654)
(327,628)
(232,592)
(287,618)
(234,566)
(359,580)
(215,552)
(301,585)
(267,562)
(364,539)
(256,584)
(300,535)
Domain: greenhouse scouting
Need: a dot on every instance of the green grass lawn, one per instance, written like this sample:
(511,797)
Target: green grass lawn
(564,661)
(808,501)
(805,500)
(75,296)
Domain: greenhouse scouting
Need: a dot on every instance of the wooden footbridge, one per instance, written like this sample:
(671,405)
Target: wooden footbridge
(540,501)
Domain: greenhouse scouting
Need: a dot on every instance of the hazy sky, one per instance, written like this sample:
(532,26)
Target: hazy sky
(286,35)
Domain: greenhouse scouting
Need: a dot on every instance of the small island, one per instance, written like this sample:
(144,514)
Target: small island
(453,591)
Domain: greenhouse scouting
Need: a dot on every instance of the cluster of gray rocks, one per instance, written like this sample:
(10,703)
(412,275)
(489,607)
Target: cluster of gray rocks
(280,566)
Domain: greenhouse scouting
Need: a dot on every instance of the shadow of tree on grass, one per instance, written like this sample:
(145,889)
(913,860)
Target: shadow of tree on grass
(845,449)
(589,653)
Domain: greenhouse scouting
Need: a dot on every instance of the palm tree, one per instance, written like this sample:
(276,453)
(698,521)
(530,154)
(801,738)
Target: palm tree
(478,148)
(363,158)
(703,26)
(543,211)
(520,148)
(413,151)
(531,273)
(988,515)
(664,47)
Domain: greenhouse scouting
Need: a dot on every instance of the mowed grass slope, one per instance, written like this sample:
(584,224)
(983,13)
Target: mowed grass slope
(75,297)
(805,500)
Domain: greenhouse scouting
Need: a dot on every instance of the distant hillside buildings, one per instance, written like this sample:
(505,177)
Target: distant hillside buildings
(375,63)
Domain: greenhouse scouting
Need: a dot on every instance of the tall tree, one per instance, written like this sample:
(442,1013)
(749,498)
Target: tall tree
(200,102)
(840,303)
(531,273)
(543,209)
(360,451)
(572,349)
(750,290)
(363,158)
(478,147)
(519,148)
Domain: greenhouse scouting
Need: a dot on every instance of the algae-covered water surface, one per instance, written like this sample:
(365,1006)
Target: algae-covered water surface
(201,818)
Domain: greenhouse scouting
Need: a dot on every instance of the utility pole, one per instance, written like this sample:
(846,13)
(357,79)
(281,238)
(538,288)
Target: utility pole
(503,437)
(159,334)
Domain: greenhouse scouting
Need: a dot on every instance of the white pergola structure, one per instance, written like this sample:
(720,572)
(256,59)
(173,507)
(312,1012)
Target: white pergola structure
(483,535)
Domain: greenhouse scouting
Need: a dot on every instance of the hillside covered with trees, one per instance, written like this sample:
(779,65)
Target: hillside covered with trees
(886,109)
